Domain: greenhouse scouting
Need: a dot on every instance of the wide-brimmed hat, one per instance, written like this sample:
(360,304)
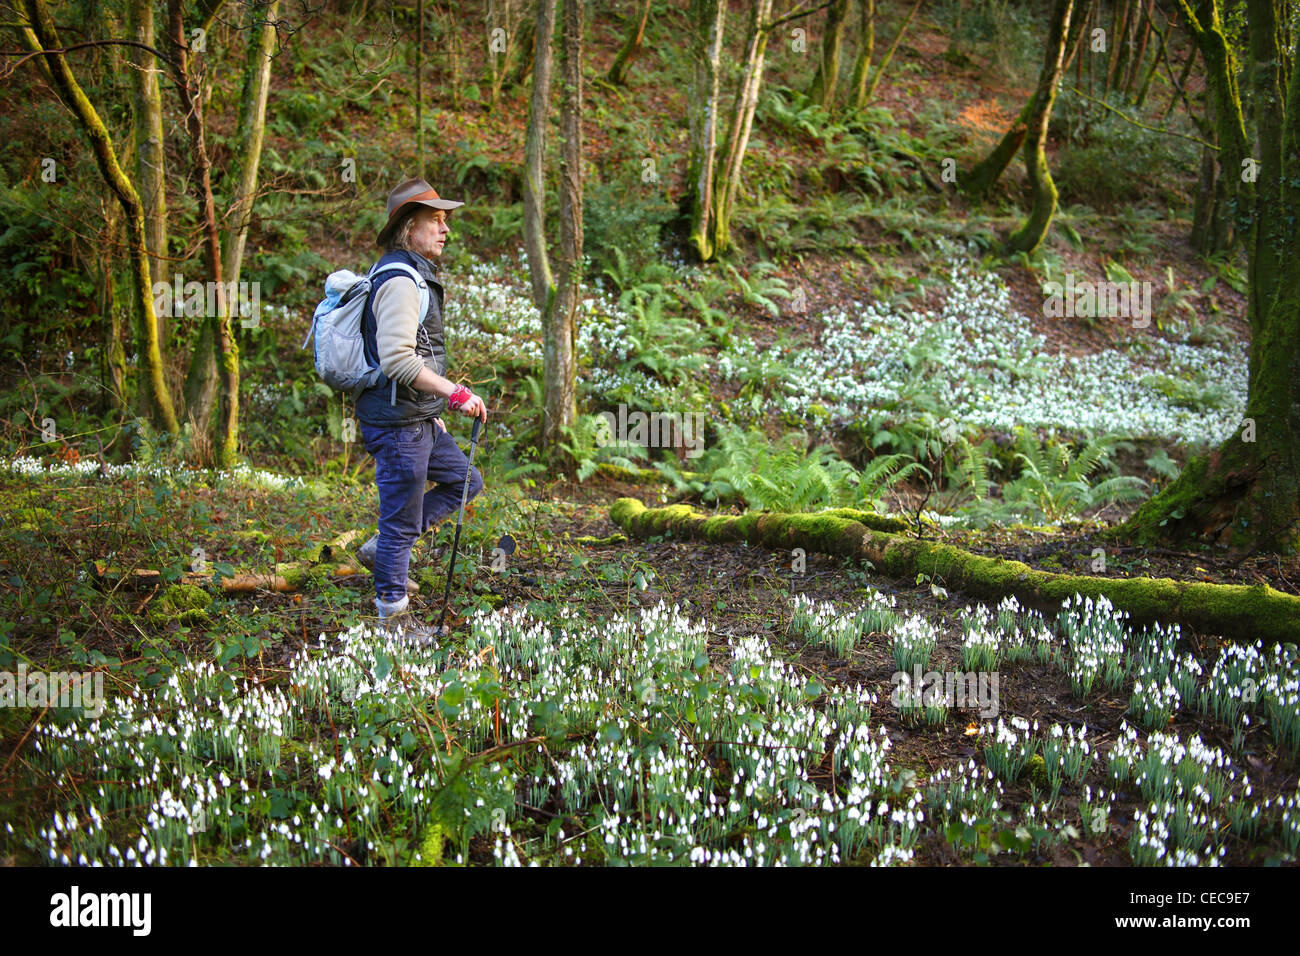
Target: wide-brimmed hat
(413,192)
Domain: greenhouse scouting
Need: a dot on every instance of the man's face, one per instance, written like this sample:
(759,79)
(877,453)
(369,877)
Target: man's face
(429,233)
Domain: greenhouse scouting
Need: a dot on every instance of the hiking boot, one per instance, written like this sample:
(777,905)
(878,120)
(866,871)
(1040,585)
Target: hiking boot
(366,558)
(400,621)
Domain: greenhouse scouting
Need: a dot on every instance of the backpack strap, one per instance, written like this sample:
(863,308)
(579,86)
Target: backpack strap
(419,281)
(420,284)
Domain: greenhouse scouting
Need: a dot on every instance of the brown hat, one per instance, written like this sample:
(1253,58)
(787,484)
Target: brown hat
(411,193)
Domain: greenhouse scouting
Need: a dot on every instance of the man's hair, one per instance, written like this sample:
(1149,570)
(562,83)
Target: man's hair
(401,237)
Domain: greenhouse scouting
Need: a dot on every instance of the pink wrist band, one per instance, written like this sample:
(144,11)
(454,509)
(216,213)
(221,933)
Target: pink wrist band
(458,398)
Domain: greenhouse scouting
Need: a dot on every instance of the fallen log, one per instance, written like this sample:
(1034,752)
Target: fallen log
(1237,612)
(288,578)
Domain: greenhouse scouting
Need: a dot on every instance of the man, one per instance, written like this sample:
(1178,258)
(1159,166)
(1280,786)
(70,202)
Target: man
(400,415)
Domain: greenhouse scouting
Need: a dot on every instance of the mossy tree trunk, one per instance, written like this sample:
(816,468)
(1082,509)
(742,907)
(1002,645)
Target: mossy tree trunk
(1227,217)
(989,170)
(868,90)
(40,36)
(559,329)
(1246,493)
(742,120)
(826,78)
(113,357)
(635,34)
(1030,235)
(708,23)
(534,178)
(151,156)
(866,52)
(250,134)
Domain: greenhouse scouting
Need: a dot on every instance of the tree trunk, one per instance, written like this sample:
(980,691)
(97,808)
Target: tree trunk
(251,134)
(226,354)
(1030,235)
(40,37)
(707,18)
(826,78)
(534,178)
(1225,100)
(728,179)
(151,157)
(1161,54)
(870,90)
(500,61)
(1118,11)
(113,359)
(560,329)
(1143,36)
(523,60)
(866,50)
(1246,493)
(631,45)
(990,169)
(1204,211)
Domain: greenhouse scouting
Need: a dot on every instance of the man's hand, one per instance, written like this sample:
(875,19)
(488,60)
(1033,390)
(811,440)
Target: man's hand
(467,403)
(438,422)
(459,398)
(475,408)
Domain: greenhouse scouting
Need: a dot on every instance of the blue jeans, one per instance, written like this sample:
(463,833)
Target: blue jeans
(406,456)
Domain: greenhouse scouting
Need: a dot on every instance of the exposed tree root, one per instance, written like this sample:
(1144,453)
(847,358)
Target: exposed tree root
(1233,611)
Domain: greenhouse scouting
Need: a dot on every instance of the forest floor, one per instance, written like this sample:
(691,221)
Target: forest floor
(741,592)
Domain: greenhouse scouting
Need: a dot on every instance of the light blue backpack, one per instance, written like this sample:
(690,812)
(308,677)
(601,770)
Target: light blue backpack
(340,349)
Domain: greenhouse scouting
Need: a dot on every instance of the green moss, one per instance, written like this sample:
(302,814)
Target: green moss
(316,553)
(1035,771)
(433,581)
(431,843)
(870,519)
(593,542)
(1158,517)
(252,536)
(295,575)
(184,603)
(720,528)
(631,476)
(625,511)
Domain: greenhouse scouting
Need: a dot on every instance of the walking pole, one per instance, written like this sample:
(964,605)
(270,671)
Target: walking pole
(441,630)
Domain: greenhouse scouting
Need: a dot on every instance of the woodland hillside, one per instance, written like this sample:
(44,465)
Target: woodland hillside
(892,451)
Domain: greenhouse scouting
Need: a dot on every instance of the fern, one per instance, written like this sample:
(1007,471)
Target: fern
(785,477)
(1056,482)
(759,290)
(588,444)
(882,474)
(972,465)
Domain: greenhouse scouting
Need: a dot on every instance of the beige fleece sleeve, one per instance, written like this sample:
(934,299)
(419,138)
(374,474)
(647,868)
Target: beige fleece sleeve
(397,316)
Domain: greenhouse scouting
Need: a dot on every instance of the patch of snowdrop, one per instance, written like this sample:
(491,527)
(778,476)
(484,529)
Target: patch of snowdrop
(996,372)
(244,475)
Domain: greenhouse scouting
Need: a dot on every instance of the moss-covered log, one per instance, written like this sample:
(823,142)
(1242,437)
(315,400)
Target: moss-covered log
(1234,611)
(641,476)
